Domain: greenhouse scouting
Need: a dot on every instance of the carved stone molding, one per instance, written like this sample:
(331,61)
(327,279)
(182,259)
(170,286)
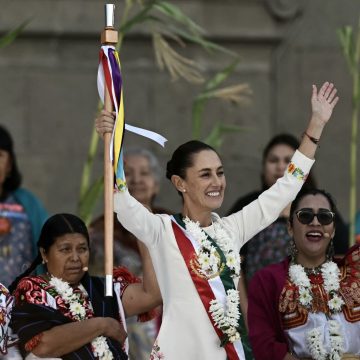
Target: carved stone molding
(284,10)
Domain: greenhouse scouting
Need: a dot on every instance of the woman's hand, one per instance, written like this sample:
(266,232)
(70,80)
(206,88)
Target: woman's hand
(105,123)
(114,329)
(323,102)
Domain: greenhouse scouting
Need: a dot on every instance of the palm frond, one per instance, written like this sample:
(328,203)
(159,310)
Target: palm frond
(177,65)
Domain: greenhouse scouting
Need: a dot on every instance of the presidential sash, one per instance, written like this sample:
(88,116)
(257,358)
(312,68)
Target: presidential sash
(210,288)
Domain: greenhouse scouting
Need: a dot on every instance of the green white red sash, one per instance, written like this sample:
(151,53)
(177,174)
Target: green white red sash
(208,289)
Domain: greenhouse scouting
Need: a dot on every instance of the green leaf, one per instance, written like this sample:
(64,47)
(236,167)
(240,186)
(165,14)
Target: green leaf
(89,200)
(346,36)
(206,94)
(200,40)
(221,76)
(176,14)
(216,136)
(140,17)
(8,38)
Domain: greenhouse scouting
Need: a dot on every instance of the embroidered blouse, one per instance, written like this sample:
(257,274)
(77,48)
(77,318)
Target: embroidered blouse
(278,323)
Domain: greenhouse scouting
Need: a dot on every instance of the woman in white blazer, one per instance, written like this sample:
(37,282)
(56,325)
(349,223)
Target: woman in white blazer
(196,253)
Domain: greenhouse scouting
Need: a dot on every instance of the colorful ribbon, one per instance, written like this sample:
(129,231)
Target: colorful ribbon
(109,75)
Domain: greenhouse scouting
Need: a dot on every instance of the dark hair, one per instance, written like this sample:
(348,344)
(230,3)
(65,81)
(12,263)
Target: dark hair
(183,156)
(54,227)
(281,139)
(305,192)
(13,180)
(291,141)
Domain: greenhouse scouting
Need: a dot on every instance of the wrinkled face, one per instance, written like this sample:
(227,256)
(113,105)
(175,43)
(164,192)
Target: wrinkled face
(5,165)
(276,163)
(140,179)
(67,257)
(205,182)
(312,239)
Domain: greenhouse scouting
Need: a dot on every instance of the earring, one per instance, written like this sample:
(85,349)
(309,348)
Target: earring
(292,250)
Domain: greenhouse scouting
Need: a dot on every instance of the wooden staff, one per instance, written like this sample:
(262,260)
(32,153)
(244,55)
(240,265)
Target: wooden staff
(109,36)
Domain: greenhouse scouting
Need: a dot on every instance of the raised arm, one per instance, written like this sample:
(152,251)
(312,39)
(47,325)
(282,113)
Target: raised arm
(322,104)
(140,298)
(266,209)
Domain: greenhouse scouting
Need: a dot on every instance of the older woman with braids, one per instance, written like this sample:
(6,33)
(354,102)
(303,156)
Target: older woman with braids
(308,306)
(195,253)
(63,313)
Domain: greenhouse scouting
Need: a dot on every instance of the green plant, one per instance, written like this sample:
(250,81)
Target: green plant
(238,94)
(10,36)
(168,26)
(350,44)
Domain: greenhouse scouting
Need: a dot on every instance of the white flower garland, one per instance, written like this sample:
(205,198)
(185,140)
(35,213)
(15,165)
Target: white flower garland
(209,260)
(330,273)
(227,322)
(99,345)
(331,276)
(316,347)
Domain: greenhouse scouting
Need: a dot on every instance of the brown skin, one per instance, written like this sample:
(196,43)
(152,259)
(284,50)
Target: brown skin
(203,186)
(276,162)
(312,250)
(5,167)
(65,259)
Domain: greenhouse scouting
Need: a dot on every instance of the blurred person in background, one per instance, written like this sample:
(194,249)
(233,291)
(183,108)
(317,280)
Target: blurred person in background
(21,218)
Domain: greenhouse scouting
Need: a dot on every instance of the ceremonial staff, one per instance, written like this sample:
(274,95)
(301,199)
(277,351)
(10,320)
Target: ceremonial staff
(110,87)
(109,38)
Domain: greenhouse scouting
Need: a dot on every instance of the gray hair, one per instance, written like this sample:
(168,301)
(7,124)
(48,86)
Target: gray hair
(153,160)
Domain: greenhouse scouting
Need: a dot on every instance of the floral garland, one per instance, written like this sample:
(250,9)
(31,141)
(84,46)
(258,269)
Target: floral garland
(208,257)
(210,265)
(316,347)
(99,345)
(227,322)
(330,273)
(331,276)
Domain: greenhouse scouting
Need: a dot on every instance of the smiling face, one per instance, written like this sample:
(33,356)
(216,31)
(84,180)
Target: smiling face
(67,257)
(140,179)
(312,240)
(204,183)
(276,163)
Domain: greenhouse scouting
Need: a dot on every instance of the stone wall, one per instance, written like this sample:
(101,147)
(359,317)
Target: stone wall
(48,90)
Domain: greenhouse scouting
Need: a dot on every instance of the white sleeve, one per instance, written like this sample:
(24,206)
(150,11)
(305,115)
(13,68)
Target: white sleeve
(137,219)
(267,207)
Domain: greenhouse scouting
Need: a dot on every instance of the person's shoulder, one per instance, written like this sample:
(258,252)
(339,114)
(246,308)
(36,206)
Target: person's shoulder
(22,192)
(30,290)
(29,281)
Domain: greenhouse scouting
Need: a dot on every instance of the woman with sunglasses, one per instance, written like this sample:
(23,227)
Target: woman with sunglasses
(307,306)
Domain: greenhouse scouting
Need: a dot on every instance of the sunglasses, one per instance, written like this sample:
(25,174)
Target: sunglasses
(306,216)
